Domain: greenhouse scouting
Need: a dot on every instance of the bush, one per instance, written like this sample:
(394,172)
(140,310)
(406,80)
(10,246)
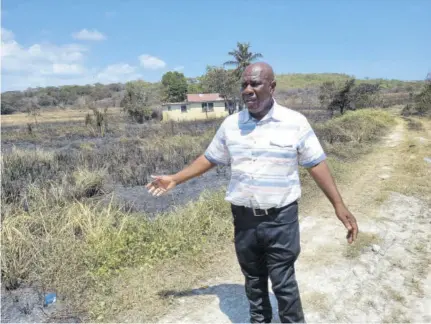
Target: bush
(7,109)
(88,183)
(359,126)
(349,135)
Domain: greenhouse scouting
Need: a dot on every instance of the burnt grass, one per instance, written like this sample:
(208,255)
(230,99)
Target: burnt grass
(128,154)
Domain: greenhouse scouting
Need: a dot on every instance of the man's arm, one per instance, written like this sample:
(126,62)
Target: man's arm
(197,168)
(312,157)
(216,153)
(322,176)
(162,184)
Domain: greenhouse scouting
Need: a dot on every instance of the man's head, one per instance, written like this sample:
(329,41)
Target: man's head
(257,87)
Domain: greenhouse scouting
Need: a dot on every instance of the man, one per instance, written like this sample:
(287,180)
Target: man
(264,145)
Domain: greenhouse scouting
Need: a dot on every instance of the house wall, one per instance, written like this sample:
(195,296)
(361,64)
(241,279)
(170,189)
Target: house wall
(194,111)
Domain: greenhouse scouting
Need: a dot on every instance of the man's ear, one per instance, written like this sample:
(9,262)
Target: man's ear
(273,85)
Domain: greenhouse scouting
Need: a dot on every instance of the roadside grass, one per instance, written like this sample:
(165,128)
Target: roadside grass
(413,171)
(56,237)
(357,128)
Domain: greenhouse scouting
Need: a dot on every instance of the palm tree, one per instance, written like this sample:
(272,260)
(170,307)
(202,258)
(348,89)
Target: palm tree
(242,57)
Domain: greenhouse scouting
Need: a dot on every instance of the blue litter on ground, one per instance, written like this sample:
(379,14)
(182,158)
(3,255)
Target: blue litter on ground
(50,299)
(427,159)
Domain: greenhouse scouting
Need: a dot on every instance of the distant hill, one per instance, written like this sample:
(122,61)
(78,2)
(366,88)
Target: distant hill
(309,80)
(304,87)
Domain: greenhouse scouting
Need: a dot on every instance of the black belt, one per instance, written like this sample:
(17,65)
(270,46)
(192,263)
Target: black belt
(262,212)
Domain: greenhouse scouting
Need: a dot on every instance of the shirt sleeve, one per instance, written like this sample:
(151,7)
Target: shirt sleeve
(217,151)
(310,151)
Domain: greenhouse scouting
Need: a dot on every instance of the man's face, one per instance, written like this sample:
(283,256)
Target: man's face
(256,89)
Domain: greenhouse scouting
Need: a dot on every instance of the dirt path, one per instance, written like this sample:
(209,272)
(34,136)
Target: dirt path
(384,277)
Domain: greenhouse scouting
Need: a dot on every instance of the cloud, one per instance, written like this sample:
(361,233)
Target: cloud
(68,69)
(91,35)
(41,58)
(6,34)
(39,64)
(120,72)
(179,68)
(46,64)
(151,62)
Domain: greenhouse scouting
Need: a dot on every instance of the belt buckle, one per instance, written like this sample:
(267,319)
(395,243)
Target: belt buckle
(259,215)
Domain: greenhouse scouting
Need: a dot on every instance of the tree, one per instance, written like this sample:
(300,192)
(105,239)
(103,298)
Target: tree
(337,96)
(136,101)
(194,85)
(7,109)
(242,58)
(342,99)
(175,86)
(327,93)
(32,108)
(366,95)
(224,82)
(423,99)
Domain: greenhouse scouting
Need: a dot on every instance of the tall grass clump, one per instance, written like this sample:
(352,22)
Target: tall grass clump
(352,134)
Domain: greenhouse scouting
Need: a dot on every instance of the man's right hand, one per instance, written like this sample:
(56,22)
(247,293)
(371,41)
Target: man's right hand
(160,185)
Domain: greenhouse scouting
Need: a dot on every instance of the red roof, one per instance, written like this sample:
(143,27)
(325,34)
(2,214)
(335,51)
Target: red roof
(203,97)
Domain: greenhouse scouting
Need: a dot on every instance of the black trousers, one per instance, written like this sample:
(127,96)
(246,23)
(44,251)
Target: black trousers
(267,247)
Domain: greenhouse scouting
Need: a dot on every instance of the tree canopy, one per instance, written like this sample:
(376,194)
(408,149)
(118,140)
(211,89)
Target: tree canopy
(175,86)
(242,57)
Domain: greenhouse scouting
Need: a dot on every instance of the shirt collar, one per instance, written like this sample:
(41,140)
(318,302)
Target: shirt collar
(273,113)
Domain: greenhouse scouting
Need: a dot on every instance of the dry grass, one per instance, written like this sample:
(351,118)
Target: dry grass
(317,301)
(52,116)
(78,249)
(365,241)
(358,128)
(413,171)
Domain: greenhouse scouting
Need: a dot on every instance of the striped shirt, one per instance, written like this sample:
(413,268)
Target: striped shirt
(265,156)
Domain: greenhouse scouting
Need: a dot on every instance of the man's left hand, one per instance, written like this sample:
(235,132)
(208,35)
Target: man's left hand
(349,222)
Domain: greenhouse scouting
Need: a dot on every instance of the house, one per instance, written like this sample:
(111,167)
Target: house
(197,106)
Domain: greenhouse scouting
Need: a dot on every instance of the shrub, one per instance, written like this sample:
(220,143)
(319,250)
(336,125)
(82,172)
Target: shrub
(88,183)
(360,126)
(349,135)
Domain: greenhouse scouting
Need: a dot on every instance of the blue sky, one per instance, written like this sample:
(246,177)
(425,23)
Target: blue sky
(47,42)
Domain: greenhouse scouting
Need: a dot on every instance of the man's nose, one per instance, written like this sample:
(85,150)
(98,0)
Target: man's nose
(247,90)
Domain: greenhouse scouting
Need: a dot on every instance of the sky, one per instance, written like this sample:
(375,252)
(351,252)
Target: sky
(51,43)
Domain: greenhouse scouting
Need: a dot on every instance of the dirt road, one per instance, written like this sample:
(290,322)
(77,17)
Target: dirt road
(384,277)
